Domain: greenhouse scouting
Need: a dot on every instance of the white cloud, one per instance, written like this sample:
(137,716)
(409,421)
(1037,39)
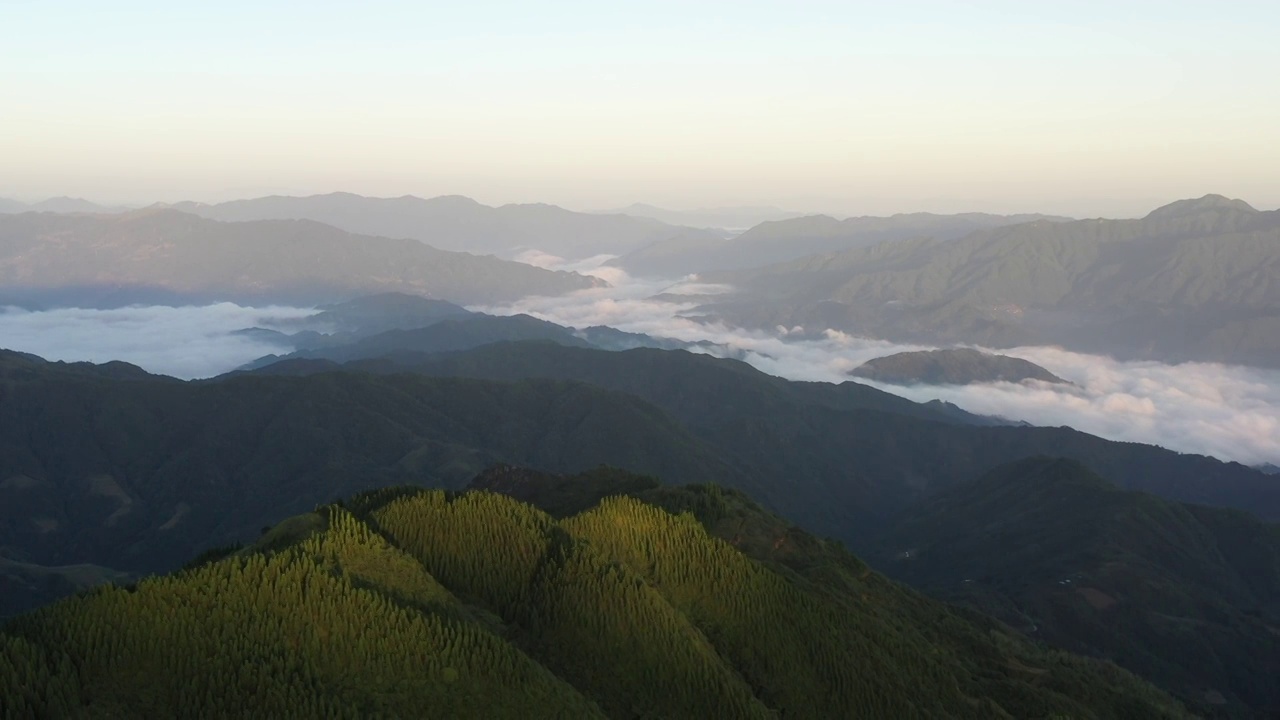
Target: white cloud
(185,342)
(1230,412)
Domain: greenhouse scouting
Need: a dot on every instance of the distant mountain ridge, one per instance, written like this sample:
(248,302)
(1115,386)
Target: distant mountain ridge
(160,256)
(732,220)
(774,241)
(458,223)
(60,205)
(1194,280)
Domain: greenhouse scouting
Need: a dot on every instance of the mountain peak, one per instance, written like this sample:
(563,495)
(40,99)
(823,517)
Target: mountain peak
(1196,206)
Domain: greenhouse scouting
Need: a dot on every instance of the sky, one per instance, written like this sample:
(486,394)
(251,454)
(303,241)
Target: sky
(1080,108)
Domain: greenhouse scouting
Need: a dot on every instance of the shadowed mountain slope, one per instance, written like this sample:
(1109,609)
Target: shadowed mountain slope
(1187,596)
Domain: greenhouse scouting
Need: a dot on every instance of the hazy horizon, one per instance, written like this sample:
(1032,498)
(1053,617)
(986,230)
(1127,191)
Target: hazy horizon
(830,209)
(825,107)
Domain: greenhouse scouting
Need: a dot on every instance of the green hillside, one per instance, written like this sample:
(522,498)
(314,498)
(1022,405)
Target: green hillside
(418,603)
(1185,595)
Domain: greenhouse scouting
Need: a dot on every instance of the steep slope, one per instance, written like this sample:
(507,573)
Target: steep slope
(781,240)
(459,223)
(1194,280)
(952,366)
(168,256)
(409,602)
(1185,595)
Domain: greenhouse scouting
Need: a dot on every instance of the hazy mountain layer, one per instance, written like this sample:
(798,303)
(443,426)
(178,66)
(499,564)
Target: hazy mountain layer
(1195,280)
(58,205)
(733,220)
(421,603)
(775,241)
(1187,596)
(459,223)
(164,256)
(952,366)
(396,325)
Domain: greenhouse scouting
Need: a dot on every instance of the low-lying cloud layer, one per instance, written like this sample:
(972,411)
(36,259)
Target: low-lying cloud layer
(1226,411)
(185,342)
(1229,412)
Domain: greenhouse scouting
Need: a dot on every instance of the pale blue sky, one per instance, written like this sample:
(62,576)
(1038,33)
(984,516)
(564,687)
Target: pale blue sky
(1084,108)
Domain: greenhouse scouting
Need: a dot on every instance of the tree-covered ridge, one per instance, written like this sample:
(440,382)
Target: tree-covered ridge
(426,603)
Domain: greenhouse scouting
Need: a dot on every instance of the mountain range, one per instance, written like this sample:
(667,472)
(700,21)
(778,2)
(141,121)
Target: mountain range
(110,466)
(779,240)
(169,257)
(1194,280)
(460,224)
(730,220)
(59,205)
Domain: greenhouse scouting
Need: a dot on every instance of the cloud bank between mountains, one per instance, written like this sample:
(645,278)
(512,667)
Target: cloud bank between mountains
(185,342)
(1229,412)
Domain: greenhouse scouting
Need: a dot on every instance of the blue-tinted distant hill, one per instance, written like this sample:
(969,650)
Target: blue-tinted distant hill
(166,256)
(780,240)
(459,223)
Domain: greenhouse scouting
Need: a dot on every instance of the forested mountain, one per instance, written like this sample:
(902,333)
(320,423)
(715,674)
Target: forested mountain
(459,223)
(861,452)
(780,240)
(1194,280)
(164,256)
(421,603)
(951,366)
(137,473)
(1187,596)
(109,466)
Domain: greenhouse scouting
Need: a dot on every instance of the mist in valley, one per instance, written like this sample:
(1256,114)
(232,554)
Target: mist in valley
(1226,411)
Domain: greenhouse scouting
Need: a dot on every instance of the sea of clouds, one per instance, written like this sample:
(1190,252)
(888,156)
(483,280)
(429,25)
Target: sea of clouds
(183,342)
(1229,412)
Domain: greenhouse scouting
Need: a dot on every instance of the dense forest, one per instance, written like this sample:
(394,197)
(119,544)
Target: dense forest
(407,602)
